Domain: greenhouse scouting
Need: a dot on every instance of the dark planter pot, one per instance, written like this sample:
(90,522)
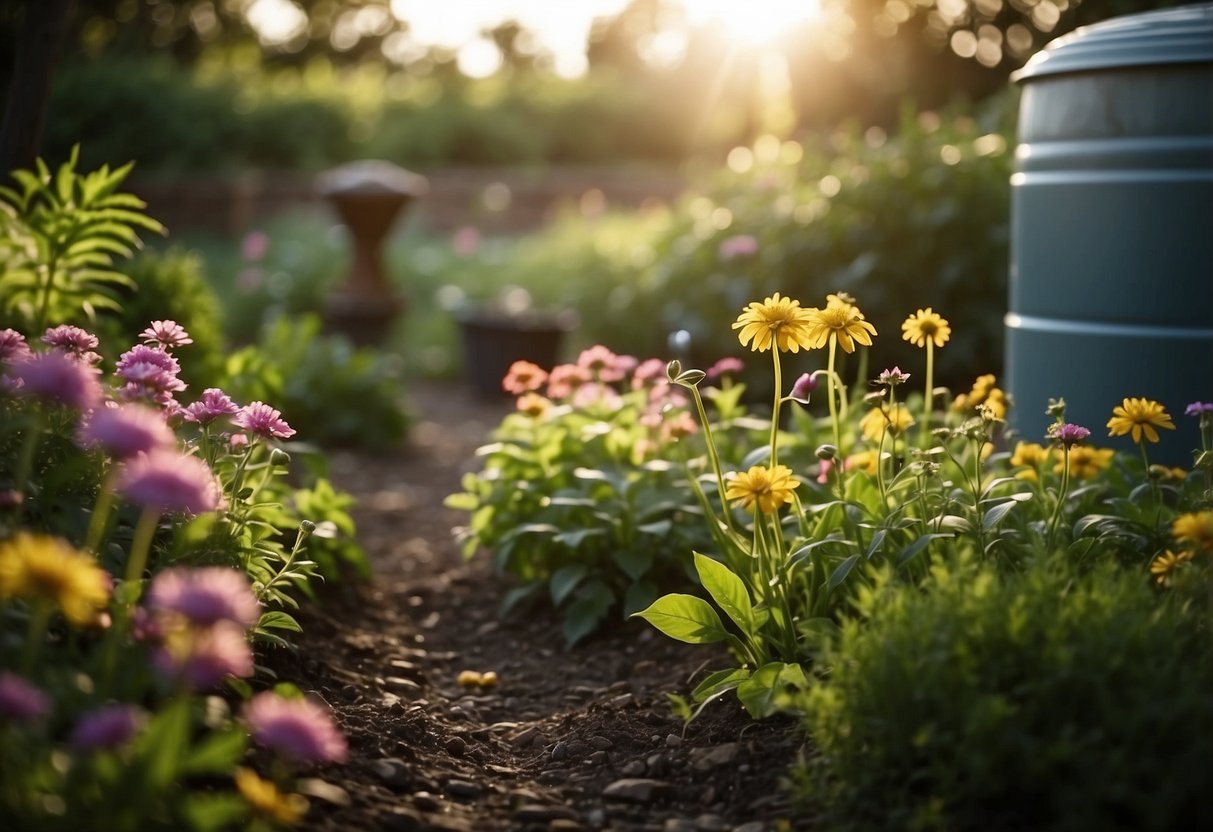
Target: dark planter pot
(493,341)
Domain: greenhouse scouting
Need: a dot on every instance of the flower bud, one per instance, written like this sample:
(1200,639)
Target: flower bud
(803,388)
(279,457)
(827,452)
(673,370)
(307,526)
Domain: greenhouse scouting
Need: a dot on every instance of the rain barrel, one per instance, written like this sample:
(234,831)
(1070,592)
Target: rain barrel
(1111,279)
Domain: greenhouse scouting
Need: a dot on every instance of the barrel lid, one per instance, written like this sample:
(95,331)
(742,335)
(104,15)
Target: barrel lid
(1171,36)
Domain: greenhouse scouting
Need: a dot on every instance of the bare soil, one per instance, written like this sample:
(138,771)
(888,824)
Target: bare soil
(579,739)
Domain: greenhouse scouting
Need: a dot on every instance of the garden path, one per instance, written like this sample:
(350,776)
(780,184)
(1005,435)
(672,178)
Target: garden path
(567,740)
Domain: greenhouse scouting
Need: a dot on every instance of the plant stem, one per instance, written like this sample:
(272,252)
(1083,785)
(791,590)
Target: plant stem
(39,623)
(25,463)
(101,514)
(1061,497)
(713,455)
(141,547)
(52,264)
(928,397)
(775,406)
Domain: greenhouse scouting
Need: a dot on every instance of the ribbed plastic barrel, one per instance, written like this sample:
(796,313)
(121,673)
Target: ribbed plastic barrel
(1111,284)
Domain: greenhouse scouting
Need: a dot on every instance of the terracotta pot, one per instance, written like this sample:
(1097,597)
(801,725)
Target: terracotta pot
(492,341)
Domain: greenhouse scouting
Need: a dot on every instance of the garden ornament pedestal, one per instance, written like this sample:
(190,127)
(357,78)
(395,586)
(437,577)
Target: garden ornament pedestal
(1111,285)
(368,196)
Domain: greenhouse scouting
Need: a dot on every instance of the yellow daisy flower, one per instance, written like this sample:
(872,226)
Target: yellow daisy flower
(865,461)
(769,488)
(1138,416)
(1163,567)
(843,322)
(267,801)
(926,325)
(878,419)
(842,299)
(1085,462)
(42,567)
(1029,456)
(777,320)
(1195,528)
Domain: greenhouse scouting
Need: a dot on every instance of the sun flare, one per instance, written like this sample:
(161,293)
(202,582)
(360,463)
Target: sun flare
(754,22)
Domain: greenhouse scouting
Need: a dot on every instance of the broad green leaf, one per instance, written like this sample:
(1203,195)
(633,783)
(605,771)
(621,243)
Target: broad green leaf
(911,551)
(841,572)
(994,515)
(635,561)
(590,606)
(575,537)
(517,595)
(718,682)
(279,620)
(564,580)
(760,694)
(728,591)
(685,618)
(217,754)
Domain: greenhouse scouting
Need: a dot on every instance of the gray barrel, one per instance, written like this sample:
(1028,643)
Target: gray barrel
(1111,284)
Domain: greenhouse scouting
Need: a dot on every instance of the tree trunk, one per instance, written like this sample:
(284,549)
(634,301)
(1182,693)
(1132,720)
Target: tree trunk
(39,41)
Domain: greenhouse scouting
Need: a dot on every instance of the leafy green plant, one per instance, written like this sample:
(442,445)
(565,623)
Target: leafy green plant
(337,393)
(582,495)
(1044,699)
(59,235)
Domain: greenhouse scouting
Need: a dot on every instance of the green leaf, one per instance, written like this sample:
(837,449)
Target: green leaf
(593,601)
(994,515)
(635,561)
(841,572)
(760,694)
(728,591)
(217,754)
(911,551)
(462,502)
(212,812)
(685,618)
(565,580)
(640,595)
(279,620)
(517,595)
(575,537)
(718,682)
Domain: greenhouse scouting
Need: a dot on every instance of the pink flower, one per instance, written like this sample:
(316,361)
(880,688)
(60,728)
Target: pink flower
(565,379)
(73,342)
(739,245)
(13,348)
(203,658)
(1198,409)
(601,364)
(1068,434)
(20,701)
(107,727)
(167,334)
(142,354)
(804,387)
(893,377)
(213,405)
(261,419)
(296,728)
(166,480)
(55,377)
(823,473)
(150,373)
(127,430)
(597,395)
(523,377)
(255,246)
(729,365)
(648,371)
(680,425)
(205,596)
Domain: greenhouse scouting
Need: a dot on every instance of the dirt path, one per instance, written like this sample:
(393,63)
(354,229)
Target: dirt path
(568,740)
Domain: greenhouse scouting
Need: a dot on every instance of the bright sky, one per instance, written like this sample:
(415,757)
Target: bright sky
(561,26)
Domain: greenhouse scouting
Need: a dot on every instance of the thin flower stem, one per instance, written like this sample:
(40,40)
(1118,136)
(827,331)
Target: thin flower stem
(52,265)
(830,387)
(713,456)
(25,462)
(775,407)
(928,406)
(141,546)
(1061,497)
(101,514)
(39,623)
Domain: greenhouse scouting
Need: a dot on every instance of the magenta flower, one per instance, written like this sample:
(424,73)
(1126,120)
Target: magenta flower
(295,728)
(601,364)
(55,377)
(205,596)
(739,245)
(261,419)
(729,365)
(804,387)
(203,658)
(142,354)
(213,405)
(110,726)
(565,379)
(20,701)
(1068,434)
(166,480)
(13,348)
(1198,409)
(167,334)
(151,374)
(73,342)
(597,395)
(126,431)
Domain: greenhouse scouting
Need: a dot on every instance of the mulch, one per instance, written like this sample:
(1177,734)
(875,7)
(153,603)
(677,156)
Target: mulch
(580,739)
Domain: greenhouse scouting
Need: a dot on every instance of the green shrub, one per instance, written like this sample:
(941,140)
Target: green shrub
(332,392)
(1037,700)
